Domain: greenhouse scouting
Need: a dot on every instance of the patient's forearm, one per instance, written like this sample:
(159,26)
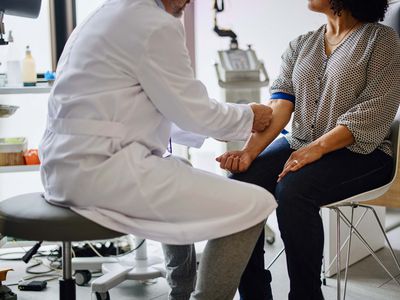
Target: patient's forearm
(282,111)
(338,138)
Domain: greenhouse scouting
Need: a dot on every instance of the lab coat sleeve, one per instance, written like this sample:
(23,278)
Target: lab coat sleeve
(167,78)
(182,137)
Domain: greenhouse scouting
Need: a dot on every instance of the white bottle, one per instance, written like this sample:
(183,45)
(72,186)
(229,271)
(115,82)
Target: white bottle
(13,65)
(28,69)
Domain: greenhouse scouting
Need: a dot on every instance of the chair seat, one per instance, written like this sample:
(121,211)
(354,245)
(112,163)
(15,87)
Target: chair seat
(31,217)
(363,197)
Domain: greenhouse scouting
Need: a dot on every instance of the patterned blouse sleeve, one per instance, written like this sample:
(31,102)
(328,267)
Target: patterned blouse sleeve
(284,83)
(370,120)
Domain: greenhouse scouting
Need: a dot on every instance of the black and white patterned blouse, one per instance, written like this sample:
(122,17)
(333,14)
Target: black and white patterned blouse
(358,86)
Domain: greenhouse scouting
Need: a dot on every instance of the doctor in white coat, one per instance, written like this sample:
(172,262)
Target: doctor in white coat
(123,82)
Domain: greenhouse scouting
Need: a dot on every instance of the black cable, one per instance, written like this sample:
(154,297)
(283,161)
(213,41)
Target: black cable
(133,250)
(128,252)
(54,258)
(11,253)
(54,255)
(39,254)
(12,284)
(28,256)
(37,264)
(219,8)
(224,32)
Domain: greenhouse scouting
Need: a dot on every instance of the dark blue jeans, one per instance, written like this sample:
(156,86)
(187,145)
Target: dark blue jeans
(336,176)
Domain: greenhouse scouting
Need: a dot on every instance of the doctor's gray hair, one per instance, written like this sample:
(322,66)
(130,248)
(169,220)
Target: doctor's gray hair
(363,10)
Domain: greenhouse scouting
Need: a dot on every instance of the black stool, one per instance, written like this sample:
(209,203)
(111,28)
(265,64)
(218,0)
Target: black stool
(30,217)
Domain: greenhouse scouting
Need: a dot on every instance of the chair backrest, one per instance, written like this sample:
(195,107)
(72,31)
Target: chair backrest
(392,197)
(395,139)
(392,17)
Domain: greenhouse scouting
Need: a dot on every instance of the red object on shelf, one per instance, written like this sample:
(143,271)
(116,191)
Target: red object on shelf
(32,157)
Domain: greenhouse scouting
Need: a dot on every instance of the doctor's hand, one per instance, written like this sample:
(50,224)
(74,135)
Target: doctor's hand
(235,161)
(300,158)
(262,116)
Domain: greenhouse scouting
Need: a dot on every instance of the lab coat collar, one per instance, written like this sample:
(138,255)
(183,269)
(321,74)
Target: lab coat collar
(160,4)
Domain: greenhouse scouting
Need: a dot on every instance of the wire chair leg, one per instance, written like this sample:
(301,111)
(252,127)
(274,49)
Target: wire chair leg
(323,270)
(338,264)
(275,258)
(385,235)
(369,248)
(348,253)
(323,275)
(347,239)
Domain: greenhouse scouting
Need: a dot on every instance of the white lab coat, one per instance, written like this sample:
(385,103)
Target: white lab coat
(123,80)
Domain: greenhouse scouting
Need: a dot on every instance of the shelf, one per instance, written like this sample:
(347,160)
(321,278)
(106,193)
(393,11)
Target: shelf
(14,169)
(42,88)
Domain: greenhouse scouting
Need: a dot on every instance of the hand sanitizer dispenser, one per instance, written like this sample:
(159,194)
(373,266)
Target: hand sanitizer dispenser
(29,69)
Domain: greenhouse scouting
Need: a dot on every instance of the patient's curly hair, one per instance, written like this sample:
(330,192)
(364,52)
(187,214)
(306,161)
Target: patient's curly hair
(363,10)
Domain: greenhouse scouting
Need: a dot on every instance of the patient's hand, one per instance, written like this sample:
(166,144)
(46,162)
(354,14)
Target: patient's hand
(300,158)
(235,161)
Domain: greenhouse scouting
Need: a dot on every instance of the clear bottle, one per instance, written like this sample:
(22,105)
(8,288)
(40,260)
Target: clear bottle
(29,77)
(13,65)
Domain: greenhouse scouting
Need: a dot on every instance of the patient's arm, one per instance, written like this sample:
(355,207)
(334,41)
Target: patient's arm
(239,161)
(338,138)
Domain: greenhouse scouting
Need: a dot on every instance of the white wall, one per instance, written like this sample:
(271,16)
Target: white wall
(85,7)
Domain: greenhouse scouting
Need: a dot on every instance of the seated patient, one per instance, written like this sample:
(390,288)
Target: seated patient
(341,83)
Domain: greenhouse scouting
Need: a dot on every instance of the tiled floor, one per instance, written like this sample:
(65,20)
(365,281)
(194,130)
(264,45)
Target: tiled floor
(367,281)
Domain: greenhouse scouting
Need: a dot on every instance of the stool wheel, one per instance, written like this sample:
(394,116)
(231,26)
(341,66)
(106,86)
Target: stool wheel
(269,235)
(82,277)
(270,240)
(103,296)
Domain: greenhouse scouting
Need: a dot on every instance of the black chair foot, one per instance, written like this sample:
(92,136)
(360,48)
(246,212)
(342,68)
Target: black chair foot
(67,289)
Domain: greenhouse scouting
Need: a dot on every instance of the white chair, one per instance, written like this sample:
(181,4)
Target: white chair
(387,195)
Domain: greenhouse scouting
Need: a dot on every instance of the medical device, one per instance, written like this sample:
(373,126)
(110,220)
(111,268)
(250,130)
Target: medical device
(241,75)
(239,71)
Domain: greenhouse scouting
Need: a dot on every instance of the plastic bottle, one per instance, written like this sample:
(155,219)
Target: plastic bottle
(28,69)
(13,65)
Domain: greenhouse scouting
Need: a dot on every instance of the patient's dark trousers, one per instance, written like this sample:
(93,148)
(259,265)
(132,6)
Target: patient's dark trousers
(336,176)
